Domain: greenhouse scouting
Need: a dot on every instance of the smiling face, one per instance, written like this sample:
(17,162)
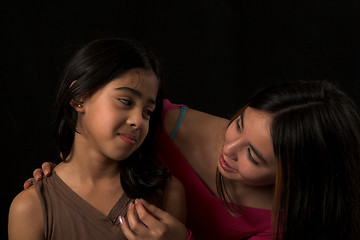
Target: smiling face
(114,121)
(248,155)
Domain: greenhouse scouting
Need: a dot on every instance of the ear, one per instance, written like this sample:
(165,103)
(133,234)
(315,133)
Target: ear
(77,104)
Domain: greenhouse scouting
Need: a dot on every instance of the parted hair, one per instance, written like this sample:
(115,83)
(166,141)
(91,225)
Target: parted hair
(92,67)
(315,131)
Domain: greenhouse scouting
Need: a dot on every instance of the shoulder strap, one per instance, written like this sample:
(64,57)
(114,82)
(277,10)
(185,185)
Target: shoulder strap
(183,110)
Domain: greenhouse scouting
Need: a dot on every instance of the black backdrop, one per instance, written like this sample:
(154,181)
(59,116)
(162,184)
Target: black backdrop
(215,54)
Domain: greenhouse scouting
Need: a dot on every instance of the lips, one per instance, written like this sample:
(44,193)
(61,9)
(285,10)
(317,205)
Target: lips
(128,138)
(225,165)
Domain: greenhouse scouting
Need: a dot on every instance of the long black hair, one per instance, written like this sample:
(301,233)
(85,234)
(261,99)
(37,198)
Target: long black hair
(316,137)
(92,67)
(315,131)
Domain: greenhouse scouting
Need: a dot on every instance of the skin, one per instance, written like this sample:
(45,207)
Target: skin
(213,137)
(113,123)
(251,184)
(247,160)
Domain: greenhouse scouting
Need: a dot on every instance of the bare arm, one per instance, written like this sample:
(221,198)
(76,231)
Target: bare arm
(25,218)
(200,140)
(175,200)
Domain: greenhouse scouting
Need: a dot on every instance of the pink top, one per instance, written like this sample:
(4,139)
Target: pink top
(206,216)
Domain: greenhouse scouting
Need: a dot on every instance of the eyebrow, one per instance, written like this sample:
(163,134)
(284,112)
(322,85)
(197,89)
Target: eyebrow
(242,119)
(136,93)
(257,152)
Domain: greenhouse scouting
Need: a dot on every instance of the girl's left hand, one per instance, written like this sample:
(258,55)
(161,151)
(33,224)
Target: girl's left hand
(155,223)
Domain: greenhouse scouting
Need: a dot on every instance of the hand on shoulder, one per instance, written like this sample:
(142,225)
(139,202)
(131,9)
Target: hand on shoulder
(38,174)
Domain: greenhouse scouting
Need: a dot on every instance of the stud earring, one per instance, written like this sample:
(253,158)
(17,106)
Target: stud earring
(80,105)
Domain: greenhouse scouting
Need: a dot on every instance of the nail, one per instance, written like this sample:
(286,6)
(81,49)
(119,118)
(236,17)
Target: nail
(136,201)
(27,185)
(120,219)
(131,205)
(143,201)
(46,172)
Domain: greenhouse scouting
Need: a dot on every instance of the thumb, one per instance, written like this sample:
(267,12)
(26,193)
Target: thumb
(175,228)
(155,211)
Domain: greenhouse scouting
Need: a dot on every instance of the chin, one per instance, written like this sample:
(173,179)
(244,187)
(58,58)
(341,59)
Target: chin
(230,175)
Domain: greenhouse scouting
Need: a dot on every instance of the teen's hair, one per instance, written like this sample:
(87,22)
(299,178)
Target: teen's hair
(316,138)
(91,68)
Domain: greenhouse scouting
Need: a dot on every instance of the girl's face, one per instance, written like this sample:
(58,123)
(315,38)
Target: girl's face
(248,155)
(114,121)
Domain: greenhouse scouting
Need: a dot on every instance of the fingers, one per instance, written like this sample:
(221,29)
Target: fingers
(134,223)
(135,227)
(156,224)
(28,183)
(155,211)
(126,229)
(147,217)
(161,224)
(37,174)
(47,168)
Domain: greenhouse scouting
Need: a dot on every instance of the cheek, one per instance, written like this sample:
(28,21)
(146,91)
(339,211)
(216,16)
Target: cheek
(265,177)
(102,113)
(256,176)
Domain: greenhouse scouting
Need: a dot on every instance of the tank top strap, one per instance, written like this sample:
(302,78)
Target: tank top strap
(183,110)
(168,106)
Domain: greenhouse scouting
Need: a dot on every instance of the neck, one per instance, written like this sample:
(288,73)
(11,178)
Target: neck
(250,196)
(89,165)
(90,169)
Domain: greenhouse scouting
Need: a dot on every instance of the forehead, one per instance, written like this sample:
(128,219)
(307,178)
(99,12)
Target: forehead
(135,77)
(257,119)
(257,125)
(141,80)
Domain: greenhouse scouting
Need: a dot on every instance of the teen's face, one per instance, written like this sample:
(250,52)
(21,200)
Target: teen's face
(248,155)
(114,121)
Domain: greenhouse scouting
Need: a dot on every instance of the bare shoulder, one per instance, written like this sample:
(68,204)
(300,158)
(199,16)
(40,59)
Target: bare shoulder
(199,139)
(25,202)
(174,199)
(195,123)
(25,216)
(174,187)
(204,123)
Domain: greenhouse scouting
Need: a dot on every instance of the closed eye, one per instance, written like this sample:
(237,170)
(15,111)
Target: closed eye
(237,124)
(240,122)
(251,157)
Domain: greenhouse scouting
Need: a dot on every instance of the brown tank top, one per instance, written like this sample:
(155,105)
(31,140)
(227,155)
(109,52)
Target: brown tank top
(67,216)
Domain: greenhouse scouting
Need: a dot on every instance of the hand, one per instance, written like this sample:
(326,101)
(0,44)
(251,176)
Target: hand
(156,223)
(46,169)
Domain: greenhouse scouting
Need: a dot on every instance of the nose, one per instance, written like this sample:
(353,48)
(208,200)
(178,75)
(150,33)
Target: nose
(135,118)
(232,148)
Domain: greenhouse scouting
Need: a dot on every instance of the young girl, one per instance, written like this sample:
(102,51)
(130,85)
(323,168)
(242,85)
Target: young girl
(108,107)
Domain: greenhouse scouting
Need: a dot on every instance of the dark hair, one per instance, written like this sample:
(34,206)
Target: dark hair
(92,67)
(316,138)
